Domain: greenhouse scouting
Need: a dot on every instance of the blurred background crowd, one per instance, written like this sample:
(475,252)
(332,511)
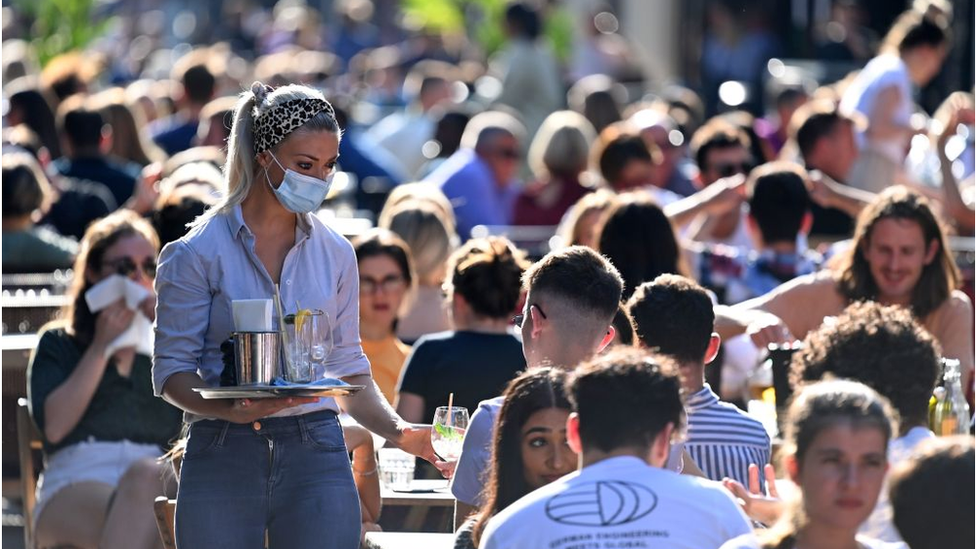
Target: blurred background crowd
(629,126)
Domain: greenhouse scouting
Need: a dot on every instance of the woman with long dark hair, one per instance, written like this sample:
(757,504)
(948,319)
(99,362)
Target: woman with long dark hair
(639,240)
(529,449)
(92,399)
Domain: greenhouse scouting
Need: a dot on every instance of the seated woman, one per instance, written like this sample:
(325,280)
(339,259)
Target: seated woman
(529,449)
(558,158)
(481,356)
(385,278)
(836,452)
(429,232)
(93,401)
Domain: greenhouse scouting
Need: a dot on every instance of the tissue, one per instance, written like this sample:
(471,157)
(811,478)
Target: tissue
(140,334)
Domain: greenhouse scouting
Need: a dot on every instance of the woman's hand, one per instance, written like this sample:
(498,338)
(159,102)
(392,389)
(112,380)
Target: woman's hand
(764,508)
(111,322)
(415,439)
(246,410)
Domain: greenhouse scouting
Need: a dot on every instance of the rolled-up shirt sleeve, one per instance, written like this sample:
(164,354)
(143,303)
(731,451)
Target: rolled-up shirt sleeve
(347,357)
(182,313)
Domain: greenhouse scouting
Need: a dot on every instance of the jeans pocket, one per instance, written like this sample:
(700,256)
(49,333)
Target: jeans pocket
(326,435)
(203,439)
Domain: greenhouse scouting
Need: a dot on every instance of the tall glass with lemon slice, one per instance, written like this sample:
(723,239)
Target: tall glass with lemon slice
(308,342)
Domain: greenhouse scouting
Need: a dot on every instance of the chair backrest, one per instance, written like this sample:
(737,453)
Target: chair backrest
(165,510)
(29,443)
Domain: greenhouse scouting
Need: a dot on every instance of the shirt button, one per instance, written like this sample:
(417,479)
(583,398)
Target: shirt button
(288,282)
(256,425)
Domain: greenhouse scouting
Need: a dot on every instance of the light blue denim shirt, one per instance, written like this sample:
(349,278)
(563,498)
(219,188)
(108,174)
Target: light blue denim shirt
(201,274)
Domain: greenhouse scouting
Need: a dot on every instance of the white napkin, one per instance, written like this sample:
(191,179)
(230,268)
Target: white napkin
(140,333)
(252,315)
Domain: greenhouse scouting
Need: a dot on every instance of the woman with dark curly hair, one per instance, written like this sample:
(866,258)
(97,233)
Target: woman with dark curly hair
(481,355)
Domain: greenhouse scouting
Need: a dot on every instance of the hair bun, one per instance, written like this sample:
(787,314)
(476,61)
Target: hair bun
(260,91)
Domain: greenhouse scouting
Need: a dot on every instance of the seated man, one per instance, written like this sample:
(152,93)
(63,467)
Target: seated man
(899,256)
(779,217)
(479,179)
(626,410)
(673,316)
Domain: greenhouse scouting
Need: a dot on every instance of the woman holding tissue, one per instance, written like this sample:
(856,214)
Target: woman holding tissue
(90,393)
(275,467)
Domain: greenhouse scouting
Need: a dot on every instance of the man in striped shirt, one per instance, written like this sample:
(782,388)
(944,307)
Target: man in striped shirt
(673,316)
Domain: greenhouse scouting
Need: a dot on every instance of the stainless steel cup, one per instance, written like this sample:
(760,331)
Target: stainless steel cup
(257,356)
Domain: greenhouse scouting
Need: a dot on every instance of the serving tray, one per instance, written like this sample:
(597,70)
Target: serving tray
(278,391)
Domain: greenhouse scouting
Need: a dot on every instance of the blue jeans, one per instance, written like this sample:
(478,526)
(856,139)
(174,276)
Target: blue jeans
(288,476)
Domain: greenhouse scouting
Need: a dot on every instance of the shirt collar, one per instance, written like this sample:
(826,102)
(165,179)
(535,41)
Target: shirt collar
(235,221)
(702,399)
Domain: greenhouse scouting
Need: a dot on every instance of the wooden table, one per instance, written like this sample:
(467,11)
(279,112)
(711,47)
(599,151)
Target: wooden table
(423,495)
(408,540)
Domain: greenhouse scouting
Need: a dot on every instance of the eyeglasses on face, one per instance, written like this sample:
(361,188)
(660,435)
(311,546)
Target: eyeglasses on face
(368,285)
(517,320)
(726,170)
(126,266)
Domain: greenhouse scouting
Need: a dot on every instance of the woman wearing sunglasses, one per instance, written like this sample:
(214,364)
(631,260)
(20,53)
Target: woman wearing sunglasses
(103,428)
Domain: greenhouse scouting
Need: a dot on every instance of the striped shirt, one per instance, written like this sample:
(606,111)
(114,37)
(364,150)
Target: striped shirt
(722,439)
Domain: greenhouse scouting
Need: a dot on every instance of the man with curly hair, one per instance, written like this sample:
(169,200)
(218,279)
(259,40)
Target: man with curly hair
(884,348)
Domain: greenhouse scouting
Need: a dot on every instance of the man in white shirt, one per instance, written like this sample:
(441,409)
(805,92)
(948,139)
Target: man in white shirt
(627,408)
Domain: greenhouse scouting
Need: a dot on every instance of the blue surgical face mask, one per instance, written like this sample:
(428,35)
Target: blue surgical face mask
(299,193)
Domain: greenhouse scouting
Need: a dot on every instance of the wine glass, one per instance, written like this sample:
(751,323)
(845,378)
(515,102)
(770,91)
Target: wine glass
(447,434)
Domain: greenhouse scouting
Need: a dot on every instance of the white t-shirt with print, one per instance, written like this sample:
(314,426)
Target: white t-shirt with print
(619,502)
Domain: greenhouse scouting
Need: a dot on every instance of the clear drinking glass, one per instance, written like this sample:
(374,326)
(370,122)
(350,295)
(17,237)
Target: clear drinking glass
(308,342)
(447,434)
(396,468)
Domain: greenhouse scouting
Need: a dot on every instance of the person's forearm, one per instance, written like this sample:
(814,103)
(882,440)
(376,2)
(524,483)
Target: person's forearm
(64,406)
(178,390)
(954,204)
(684,211)
(732,321)
(365,474)
(371,410)
(850,200)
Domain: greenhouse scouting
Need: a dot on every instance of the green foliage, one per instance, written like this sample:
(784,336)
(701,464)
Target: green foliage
(484,22)
(61,26)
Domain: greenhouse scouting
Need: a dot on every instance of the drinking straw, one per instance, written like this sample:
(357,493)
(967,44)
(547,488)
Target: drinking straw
(281,326)
(450,404)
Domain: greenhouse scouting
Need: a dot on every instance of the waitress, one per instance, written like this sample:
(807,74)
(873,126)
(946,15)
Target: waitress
(268,466)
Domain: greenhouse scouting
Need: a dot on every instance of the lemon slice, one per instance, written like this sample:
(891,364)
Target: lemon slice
(300,317)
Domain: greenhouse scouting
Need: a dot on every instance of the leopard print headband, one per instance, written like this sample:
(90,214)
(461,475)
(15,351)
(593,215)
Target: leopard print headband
(274,125)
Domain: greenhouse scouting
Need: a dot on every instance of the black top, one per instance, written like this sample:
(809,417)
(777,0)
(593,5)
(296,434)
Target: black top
(831,222)
(120,179)
(122,408)
(474,366)
(79,203)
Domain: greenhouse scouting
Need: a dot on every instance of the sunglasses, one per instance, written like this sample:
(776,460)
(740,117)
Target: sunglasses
(510,154)
(726,170)
(126,266)
(517,320)
(370,285)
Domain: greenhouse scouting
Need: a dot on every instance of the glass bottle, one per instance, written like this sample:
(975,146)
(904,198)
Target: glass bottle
(952,414)
(938,395)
